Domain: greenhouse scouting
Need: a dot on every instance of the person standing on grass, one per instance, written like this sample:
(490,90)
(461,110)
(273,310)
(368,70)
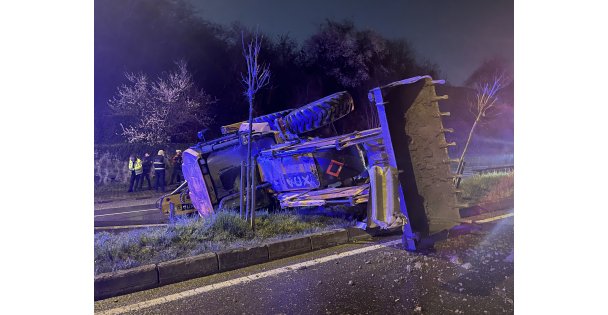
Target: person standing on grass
(147,165)
(159,163)
(177,174)
(136,170)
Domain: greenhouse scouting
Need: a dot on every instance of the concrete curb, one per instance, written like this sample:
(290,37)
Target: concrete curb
(124,228)
(486,207)
(356,234)
(329,239)
(151,276)
(126,281)
(187,268)
(289,247)
(242,257)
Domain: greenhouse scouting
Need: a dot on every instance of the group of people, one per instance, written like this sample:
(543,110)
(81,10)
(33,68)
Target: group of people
(141,168)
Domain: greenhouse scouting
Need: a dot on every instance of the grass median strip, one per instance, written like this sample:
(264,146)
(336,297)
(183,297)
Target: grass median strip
(489,187)
(192,236)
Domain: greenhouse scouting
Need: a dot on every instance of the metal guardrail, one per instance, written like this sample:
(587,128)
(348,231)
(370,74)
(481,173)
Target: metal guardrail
(501,168)
(478,170)
(118,191)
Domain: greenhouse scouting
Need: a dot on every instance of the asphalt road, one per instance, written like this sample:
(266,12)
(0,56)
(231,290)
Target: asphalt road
(470,273)
(129,215)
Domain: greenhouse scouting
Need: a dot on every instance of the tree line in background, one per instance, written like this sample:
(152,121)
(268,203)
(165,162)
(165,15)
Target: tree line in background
(153,53)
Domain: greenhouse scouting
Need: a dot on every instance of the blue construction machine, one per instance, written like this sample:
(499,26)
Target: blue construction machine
(399,172)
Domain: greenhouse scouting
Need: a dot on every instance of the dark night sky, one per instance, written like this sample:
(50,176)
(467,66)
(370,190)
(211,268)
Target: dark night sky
(456,35)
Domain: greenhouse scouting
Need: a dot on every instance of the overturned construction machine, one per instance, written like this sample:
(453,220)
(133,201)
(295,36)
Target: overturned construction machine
(401,169)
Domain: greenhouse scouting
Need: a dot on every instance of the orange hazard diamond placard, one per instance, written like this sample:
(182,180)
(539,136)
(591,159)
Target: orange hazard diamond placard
(334,168)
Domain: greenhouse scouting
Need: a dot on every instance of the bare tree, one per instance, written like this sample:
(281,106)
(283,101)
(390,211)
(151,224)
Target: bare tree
(162,108)
(257,77)
(485,99)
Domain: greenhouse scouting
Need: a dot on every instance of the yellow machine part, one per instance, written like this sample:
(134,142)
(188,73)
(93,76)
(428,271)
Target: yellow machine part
(383,208)
(179,207)
(231,128)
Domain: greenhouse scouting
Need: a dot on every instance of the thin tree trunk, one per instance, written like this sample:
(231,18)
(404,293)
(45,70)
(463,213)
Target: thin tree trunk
(249,181)
(242,189)
(253,186)
(460,168)
(251,189)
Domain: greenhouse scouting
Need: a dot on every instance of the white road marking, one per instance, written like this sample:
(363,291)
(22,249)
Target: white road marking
(129,226)
(495,218)
(245,279)
(117,213)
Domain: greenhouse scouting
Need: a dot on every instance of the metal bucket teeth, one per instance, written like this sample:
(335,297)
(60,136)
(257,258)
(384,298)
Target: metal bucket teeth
(447,144)
(411,119)
(439,98)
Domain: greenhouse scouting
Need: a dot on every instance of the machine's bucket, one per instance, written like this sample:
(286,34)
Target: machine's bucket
(415,144)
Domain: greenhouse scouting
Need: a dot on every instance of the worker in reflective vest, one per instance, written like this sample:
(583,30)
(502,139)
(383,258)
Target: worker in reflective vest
(159,163)
(136,169)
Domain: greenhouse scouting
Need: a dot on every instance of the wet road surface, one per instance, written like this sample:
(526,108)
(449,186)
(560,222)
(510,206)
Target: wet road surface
(465,274)
(130,215)
(128,212)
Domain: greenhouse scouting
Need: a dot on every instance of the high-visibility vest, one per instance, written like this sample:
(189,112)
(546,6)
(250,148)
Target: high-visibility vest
(138,168)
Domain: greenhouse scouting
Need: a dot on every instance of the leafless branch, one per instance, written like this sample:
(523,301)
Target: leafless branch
(161,105)
(257,75)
